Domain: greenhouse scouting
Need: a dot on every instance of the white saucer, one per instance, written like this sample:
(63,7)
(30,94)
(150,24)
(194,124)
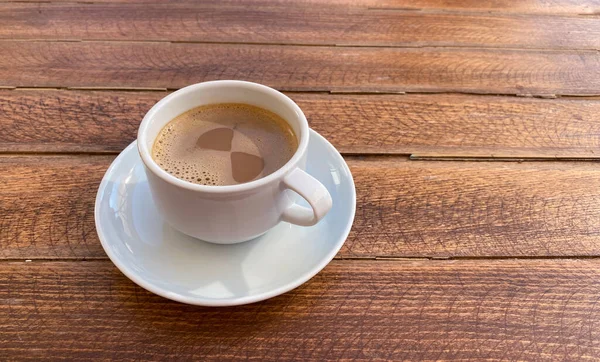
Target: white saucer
(176,266)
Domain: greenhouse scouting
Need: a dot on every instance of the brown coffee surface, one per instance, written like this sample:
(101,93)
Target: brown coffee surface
(224,144)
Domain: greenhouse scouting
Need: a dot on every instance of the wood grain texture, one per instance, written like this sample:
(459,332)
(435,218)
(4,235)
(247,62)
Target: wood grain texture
(500,6)
(446,209)
(47,206)
(425,311)
(170,65)
(323,25)
(538,308)
(420,125)
(404,208)
(583,7)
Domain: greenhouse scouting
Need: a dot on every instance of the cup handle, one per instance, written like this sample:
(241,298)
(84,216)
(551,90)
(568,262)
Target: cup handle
(312,191)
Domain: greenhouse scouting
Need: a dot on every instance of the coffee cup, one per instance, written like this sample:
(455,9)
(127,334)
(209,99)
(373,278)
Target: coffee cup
(231,214)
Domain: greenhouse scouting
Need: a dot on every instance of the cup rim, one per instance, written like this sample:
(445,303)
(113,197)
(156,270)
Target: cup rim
(146,155)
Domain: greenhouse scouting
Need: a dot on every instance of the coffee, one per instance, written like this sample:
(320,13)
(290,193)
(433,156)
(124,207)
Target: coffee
(224,144)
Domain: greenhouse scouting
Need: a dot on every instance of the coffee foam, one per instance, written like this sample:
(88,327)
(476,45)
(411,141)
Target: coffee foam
(256,132)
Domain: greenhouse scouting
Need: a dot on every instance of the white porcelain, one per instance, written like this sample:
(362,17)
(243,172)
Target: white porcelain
(235,213)
(176,266)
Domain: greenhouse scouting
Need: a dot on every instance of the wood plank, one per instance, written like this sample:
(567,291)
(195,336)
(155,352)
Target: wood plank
(171,65)
(449,209)
(293,25)
(423,310)
(404,208)
(587,7)
(421,125)
(500,6)
(47,206)
(71,121)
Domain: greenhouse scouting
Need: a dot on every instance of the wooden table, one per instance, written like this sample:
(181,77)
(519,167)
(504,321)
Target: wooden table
(472,129)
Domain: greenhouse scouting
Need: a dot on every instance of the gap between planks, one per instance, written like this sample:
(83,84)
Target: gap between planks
(339,259)
(399,157)
(322,45)
(330,92)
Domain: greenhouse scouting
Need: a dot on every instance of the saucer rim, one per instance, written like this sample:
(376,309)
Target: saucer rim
(221,302)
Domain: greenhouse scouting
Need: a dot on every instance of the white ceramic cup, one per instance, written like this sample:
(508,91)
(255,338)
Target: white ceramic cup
(233,213)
